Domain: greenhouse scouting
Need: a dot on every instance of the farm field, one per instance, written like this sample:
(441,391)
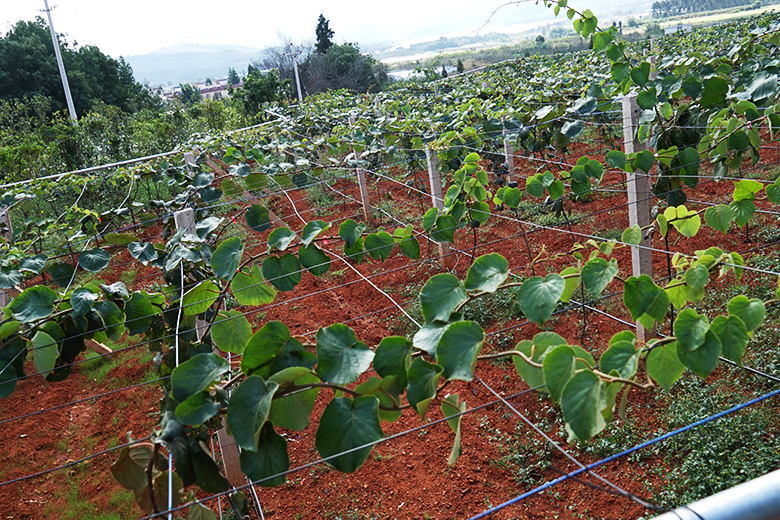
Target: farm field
(421,303)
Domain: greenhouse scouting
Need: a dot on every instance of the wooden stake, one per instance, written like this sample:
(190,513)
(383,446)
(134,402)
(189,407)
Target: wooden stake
(434,176)
(230,457)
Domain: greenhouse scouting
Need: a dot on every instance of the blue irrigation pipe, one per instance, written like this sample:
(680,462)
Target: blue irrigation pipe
(629,451)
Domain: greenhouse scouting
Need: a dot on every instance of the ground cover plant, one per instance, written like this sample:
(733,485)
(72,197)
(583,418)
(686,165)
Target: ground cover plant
(532,296)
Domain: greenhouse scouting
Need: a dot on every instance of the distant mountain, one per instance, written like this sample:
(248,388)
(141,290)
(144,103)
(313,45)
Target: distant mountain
(190,62)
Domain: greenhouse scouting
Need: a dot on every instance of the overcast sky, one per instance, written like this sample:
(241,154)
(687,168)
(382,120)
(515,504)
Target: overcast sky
(130,27)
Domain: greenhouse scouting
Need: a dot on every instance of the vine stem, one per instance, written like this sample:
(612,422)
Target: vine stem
(149,480)
(604,377)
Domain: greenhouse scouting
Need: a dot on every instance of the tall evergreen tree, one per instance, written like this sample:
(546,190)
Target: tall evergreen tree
(324,35)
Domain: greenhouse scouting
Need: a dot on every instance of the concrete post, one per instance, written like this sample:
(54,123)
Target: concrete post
(437,198)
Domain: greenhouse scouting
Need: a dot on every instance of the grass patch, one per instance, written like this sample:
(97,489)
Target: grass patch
(71,504)
(97,367)
(720,454)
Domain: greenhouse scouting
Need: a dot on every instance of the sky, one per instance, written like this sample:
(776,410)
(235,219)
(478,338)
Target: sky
(132,27)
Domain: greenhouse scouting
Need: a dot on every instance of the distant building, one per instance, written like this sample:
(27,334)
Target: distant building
(216,90)
(680,27)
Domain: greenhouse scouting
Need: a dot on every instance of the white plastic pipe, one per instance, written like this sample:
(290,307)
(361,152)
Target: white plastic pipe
(758,499)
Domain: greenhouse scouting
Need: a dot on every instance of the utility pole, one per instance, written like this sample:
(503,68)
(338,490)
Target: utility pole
(297,77)
(60,64)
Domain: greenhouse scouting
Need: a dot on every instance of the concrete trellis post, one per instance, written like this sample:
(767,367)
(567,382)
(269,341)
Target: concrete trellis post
(6,232)
(639,195)
(509,155)
(434,176)
(361,175)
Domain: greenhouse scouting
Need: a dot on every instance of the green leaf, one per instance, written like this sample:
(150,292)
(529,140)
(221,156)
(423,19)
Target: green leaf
(264,346)
(440,296)
(342,358)
(393,358)
(597,274)
(314,259)
(231,188)
(144,252)
(664,366)
(429,219)
(94,260)
(280,238)
(558,368)
(458,349)
(719,217)
(704,359)
(33,264)
(197,409)
(746,189)
(686,222)
(34,303)
(82,301)
(293,411)
(196,374)
(248,410)
(444,230)
(696,278)
(690,329)
(733,336)
(257,218)
(632,236)
(389,394)
(451,407)
(283,272)
(347,424)
(139,313)
(773,192)
(714,92)
(10,279)
(487,273)
(743,211)
(227,258)
(570,129)
(615,159)
(409,245)
(198,299)
(645,300)
(131,466)
(644,161)
(250,288)
(231,332)
(535,350)
(534,187)
(429,335)
(113,319)
(646,99)
(206,226)
(379,245)
(622,357)
(581,404)
(45,353)
(538,296)
(640,74)
(350,231)
(196,510)
(572,283)
(750,311)
(423,381)
(270,458)
(312,230)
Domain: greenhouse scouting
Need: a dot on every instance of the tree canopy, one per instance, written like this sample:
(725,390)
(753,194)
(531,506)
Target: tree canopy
(343,66)
(28,67)
(324,35)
